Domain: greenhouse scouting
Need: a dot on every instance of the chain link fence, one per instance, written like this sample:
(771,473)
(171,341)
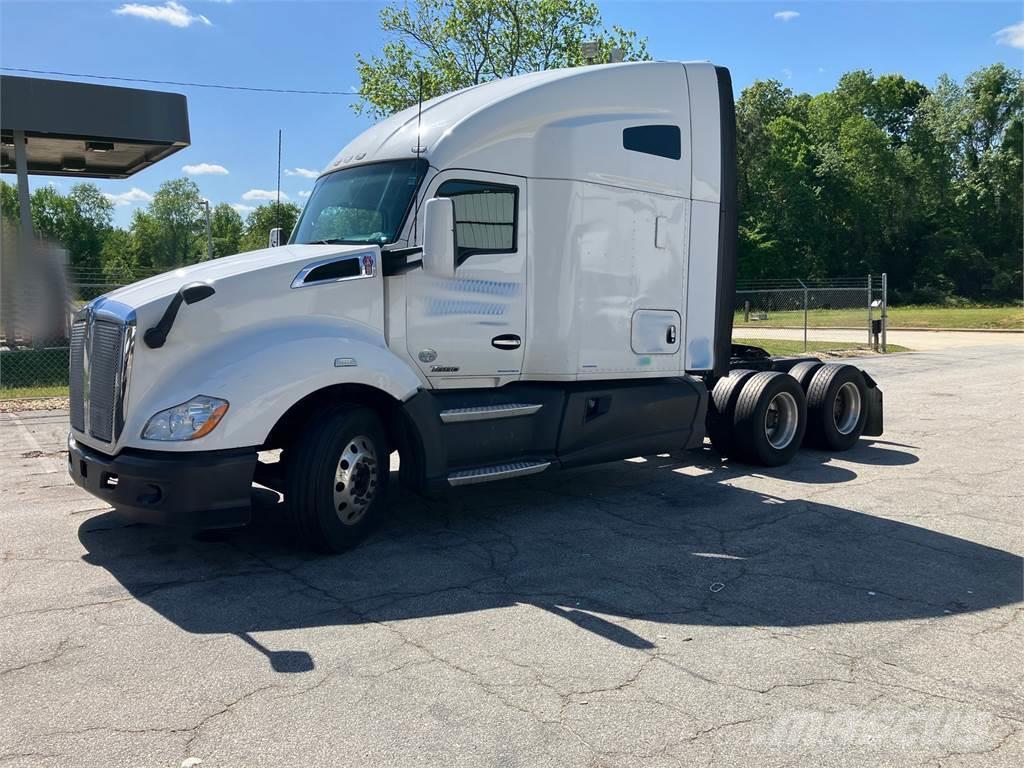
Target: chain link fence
(796,316)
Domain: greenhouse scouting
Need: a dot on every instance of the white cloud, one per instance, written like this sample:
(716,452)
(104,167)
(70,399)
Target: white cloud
(132,197)
(785,15)
(171,12)
(263,194)
(1012,35)
(242,208)
(203,169)
(788,73)
(303,172)
(304,193)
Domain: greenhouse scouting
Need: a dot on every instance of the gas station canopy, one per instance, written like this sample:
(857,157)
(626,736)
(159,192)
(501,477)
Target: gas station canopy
(85,130)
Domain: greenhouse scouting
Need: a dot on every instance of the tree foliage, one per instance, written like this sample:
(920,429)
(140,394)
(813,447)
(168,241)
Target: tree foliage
(265,218)
(883,174)
(80,220)
(454,44)
(226,230)
(177,222)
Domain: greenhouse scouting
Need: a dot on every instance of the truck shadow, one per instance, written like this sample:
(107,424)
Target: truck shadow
(666,539)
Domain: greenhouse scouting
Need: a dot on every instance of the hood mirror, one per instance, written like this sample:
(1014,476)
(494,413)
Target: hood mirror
(439,237)
(276,237)
(194,292)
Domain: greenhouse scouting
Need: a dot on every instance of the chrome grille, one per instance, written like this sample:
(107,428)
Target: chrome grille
(105,351)
(76,376)
(102,343)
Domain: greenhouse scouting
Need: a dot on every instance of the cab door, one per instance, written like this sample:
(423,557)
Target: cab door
(473,326)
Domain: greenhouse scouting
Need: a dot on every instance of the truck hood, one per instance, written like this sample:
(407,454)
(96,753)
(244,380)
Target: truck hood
(251,341)
(281,258)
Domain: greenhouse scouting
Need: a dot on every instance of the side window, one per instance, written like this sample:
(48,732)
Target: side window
(660,140)
(485,216)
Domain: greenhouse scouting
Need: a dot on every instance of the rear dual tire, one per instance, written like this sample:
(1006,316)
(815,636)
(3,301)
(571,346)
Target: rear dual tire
(836,407)
(759,418)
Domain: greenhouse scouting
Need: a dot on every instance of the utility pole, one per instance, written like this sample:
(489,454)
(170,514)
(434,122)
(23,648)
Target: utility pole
(209,232)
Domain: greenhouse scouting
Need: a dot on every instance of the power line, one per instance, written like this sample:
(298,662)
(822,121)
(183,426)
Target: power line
(180,84)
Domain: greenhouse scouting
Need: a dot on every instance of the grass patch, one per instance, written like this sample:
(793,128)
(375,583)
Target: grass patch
(19,393)
(785,347)
(1005,318)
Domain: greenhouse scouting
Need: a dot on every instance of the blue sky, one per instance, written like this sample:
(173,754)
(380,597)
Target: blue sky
(312,45)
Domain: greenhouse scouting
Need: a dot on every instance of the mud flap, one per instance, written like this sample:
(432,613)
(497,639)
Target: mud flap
(874,424)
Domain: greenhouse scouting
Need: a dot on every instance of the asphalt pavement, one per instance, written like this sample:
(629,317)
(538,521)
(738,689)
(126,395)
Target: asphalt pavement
(857,610)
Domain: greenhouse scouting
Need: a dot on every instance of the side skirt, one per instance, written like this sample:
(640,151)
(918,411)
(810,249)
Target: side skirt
(479,435)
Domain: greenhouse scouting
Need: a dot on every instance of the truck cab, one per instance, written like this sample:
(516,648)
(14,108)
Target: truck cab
(530,274)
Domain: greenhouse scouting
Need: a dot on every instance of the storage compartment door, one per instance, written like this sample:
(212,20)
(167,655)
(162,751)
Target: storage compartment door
(655,332)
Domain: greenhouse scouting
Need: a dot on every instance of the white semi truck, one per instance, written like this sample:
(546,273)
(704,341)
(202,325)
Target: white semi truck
(531,274)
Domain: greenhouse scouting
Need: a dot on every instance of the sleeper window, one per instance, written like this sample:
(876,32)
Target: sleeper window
(660,140)
(485,216)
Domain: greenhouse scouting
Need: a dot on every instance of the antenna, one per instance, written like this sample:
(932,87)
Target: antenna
(277,207)
(419,149)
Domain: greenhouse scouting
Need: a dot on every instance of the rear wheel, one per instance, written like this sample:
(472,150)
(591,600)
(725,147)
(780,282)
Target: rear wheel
(836,407)
(721,407)
(337,474)
(804,372)
(770,419)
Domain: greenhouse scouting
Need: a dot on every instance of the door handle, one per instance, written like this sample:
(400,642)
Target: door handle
(670,335)
(506,341)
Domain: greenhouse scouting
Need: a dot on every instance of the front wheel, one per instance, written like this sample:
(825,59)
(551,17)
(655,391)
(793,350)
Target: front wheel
(337,475)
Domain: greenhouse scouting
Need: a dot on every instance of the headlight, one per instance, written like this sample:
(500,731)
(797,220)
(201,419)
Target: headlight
(188,421)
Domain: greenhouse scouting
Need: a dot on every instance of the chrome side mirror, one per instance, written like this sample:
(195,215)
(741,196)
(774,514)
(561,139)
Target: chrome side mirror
(276,236)
(439,237)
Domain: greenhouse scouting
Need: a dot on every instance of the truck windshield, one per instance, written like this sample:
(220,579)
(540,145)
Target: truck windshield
(363,204)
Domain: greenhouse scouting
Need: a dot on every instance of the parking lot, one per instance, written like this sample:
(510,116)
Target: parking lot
(673,610)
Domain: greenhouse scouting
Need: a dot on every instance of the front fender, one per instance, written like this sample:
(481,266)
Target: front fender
(265,370)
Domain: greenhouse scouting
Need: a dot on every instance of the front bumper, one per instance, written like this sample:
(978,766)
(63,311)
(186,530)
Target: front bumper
(201,489)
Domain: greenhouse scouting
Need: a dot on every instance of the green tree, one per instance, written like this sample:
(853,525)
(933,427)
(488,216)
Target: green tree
(51,214)
(80,221)
(9,206)
(226,229)
(146,240)
(91,220)
(263,219)
(119,257)
(454,44)
(175,212)
(883,174)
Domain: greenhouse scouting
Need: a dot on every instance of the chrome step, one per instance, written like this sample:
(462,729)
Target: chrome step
(483,412)
(497,472)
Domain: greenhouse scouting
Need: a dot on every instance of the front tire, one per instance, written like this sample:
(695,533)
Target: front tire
(337,475)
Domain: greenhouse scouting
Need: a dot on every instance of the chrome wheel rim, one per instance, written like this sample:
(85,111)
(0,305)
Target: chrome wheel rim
(846,408)
(781,420)
(355,480)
